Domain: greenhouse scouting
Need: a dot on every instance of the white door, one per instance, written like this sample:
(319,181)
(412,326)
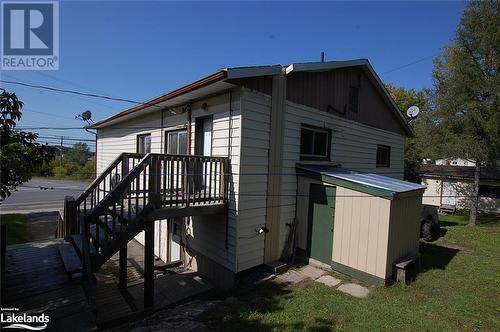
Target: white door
(207,137)
(449,193)
(175,240)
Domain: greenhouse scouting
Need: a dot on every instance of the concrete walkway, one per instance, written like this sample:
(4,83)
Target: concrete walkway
(296,275)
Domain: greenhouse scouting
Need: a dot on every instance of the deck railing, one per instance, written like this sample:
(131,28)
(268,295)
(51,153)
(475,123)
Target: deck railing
(135,184)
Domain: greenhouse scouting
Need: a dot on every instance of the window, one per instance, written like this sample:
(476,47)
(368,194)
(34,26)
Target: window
(489,191)
(176,142)
(314,143)
(144,143)
(383,156)
(353,99)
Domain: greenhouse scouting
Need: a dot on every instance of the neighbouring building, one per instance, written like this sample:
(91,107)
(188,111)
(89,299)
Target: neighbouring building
(450,187)
(455,162)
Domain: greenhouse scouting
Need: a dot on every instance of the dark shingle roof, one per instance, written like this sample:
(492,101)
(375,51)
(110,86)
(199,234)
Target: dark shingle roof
(460,172)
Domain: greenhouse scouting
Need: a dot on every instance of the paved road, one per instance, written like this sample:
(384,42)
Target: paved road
(41,194)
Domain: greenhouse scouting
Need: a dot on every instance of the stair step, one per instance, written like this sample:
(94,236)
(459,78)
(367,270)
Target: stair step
(71,261)
(77,240)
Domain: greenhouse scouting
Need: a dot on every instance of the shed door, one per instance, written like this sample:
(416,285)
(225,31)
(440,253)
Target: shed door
(321,215)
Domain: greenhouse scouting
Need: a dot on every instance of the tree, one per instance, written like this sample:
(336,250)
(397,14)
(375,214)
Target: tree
(465,119)
(78,154)
(20,155)
(414,147)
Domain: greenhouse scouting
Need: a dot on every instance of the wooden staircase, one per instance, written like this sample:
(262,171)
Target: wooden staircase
(128,196)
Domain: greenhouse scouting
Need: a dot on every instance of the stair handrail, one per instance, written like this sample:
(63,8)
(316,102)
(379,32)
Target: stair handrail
(94,184)
(120,187)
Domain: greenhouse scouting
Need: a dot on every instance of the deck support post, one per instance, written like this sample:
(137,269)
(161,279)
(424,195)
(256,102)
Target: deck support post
(70,215)
(149,263)
(122,275)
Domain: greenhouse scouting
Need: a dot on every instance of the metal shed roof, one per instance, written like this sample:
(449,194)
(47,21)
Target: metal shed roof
(370,183)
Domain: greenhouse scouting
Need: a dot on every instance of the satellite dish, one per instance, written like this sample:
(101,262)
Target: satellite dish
(412,111)
(86,115)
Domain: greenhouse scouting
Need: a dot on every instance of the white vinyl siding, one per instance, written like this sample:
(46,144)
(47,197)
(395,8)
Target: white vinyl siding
(353,145)
(253,178)
(203,234)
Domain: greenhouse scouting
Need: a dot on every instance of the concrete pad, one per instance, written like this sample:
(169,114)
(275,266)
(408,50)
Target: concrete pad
(329,280)
(354,290)
(311,272)
(291,277)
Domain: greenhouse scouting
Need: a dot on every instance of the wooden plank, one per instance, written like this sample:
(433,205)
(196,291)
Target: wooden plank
(122,276)
(71,261)
(196,210)
(149,265)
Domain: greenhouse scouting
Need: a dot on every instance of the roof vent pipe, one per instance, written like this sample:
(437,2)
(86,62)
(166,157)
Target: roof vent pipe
(322,57)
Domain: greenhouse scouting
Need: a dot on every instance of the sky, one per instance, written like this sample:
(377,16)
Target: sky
(137,50)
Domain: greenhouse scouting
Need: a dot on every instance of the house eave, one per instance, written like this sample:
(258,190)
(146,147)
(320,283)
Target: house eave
(161,101)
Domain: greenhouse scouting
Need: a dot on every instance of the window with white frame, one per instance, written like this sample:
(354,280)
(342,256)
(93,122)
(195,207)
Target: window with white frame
(176,142)
(144,143)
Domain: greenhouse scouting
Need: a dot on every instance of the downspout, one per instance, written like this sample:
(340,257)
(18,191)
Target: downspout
(189,115)
(162,147)
(95,164)
(185,220)
(230,141)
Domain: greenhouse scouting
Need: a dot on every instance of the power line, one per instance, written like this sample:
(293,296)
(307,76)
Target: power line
(68,139)
(410,64)
(38,72)
(106,97)
(58,136)
(29,110)
(75,92)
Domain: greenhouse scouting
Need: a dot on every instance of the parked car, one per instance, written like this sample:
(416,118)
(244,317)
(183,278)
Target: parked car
(429,224)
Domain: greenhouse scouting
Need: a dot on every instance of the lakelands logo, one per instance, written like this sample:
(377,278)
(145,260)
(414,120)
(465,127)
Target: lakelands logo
(11,318)
(30,35)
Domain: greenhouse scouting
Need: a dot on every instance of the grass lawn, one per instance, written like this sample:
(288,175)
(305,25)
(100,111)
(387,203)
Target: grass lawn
(458,290)
(16,227)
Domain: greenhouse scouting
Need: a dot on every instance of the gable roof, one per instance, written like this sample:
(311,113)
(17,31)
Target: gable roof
(219,81)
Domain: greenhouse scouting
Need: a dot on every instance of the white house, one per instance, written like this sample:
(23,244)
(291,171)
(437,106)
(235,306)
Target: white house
(312,147)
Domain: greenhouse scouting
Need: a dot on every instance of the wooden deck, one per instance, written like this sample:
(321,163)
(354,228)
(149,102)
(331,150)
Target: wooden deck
(36,282)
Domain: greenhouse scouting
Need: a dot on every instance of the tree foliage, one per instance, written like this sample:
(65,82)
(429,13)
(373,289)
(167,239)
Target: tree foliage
(465,118)
(415,146)
(20,155)
(78,154)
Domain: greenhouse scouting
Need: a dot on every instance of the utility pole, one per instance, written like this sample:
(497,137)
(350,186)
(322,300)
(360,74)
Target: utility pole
(61,151)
